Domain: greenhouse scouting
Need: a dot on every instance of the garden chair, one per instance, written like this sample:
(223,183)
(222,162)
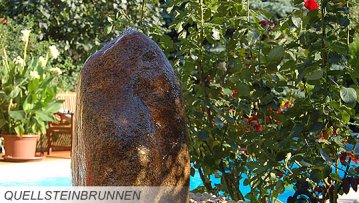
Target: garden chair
(64,122)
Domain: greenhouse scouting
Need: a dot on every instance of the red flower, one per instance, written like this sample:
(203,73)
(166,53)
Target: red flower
(3,20)
(311,5)
(259,127)
(235,92)
(286,105)
(264,22)
(353,158)
(344,156)
(252,119)
(268,24)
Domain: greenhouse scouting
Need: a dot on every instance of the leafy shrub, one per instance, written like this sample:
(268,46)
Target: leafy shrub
(27,89)
(285,90)
(80,28)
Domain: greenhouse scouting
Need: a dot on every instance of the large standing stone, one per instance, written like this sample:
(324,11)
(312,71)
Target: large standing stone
(130,123)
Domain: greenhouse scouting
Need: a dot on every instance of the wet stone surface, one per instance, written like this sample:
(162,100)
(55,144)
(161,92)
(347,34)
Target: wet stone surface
(130,122)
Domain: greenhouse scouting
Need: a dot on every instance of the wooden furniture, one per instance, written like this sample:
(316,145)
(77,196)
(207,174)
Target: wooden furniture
(69,103)
(64,123)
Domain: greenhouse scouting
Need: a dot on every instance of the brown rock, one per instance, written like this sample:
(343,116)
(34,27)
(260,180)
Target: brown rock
(130,123)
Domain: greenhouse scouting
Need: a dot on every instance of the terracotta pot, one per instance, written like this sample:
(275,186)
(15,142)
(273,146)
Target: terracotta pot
(20,148)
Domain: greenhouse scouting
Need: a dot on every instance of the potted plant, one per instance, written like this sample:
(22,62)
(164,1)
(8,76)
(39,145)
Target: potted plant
(27,99)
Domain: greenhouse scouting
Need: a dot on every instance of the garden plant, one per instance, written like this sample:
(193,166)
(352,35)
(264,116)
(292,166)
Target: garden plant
(270,101)
(271,92)
(27,88)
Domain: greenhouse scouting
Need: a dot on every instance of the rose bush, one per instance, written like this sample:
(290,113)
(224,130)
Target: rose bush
(271,101)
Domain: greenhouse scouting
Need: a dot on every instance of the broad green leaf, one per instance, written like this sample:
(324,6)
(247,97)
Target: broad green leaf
(109,29)
(325,155)
(33,85)
(53,107)
(345,117)
(338,140)
(20,130)
(305,164)
(14,92)
(17,115)
(275,55)
(243,89)
(314,75)
(218,20)
(341,48)
(316,175)
(179,27)
(44,116)
(167,42)
(348,95)
(227,91)
(296,21)
(280,186)
(28,106)
(299,95)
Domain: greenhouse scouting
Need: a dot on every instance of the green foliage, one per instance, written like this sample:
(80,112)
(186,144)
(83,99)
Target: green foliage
(270,87)
(27,88)
(79,28)
(284,90)
(9,39)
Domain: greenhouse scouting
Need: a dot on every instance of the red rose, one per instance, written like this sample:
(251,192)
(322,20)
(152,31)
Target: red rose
(286,105)
(259,127)
(264,22)
(3,20)
(311,5)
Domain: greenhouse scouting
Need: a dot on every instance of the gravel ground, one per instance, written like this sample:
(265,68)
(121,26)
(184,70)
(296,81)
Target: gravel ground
(209,198)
